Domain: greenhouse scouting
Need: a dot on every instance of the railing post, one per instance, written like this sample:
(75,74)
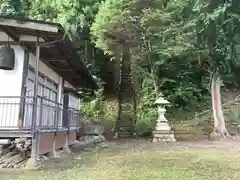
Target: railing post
(21,113)
(57,115)
(34,120)
(41,112)
(69,118)
(34,151)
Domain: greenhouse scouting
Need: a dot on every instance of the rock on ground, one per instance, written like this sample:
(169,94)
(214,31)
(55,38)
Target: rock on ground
(91,139)
(92,134)
(92,128)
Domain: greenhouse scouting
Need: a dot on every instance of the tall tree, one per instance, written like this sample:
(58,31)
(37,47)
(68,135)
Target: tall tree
(217,30)
(119,35)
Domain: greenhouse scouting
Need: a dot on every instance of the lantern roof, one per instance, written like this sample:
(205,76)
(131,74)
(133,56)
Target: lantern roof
(160,100)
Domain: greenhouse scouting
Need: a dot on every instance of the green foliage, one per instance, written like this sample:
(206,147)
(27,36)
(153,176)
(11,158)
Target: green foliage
(175,45)
(178,44)
(166,25)
(93,109)
(99,109)
(163,39)
(110,21)
(217,35)
(12,7)
(146,111)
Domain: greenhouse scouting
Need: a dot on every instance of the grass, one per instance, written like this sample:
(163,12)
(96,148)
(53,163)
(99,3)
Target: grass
(126,164)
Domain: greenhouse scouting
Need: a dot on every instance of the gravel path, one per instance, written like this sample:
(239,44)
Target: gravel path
(228,145)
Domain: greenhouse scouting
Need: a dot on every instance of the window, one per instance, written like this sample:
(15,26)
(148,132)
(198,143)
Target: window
(47,89)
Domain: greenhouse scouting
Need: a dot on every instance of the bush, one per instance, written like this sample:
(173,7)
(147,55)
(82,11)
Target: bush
(93,109)
(98,109)
(146,111)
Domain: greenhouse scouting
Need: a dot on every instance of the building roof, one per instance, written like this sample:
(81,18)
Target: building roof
(59,56)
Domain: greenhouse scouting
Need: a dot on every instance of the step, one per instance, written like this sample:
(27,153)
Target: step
(126,101)
(125,119)
(126,93)
(125,123)
(125,129)
(125,80)
(125,88)
(127,126)
(126,116)
(124,135)
(126,109)
(126,112)
(122,121)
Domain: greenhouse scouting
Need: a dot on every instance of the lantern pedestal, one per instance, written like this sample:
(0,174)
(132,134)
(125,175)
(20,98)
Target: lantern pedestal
(162,132)
(163,136)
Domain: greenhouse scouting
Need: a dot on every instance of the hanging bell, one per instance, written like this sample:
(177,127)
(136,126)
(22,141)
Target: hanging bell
(7,58)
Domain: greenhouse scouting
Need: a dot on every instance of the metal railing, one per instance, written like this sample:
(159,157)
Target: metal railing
(17,113)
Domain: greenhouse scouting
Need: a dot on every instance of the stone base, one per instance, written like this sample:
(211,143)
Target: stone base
(66,149)
(54,154)
(1,150)
(33,164)
(163,136)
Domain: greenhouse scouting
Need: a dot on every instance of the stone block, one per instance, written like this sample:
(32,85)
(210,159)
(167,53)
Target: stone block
(163,136)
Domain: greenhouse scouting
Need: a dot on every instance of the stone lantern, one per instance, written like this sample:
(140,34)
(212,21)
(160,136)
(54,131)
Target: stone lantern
(162,132)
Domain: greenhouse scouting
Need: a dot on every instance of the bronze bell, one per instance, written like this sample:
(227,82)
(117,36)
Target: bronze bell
(7,58)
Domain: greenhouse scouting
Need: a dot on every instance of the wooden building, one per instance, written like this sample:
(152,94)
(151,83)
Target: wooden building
(38,93)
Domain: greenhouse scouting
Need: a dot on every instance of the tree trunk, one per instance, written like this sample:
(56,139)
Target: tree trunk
(155,79)
(153,70)
(86,52)
(117,81)
(117,66)
(219,121)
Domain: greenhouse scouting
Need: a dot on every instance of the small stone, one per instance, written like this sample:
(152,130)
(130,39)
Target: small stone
(103,145)
(91,139)
(67,149)
(54,154)
(44,157)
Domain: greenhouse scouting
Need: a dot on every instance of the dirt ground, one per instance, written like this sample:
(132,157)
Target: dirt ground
(80,158)
(228,145)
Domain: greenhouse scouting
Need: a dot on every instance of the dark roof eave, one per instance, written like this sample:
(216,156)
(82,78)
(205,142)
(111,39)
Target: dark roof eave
(89,82)
(89,76)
